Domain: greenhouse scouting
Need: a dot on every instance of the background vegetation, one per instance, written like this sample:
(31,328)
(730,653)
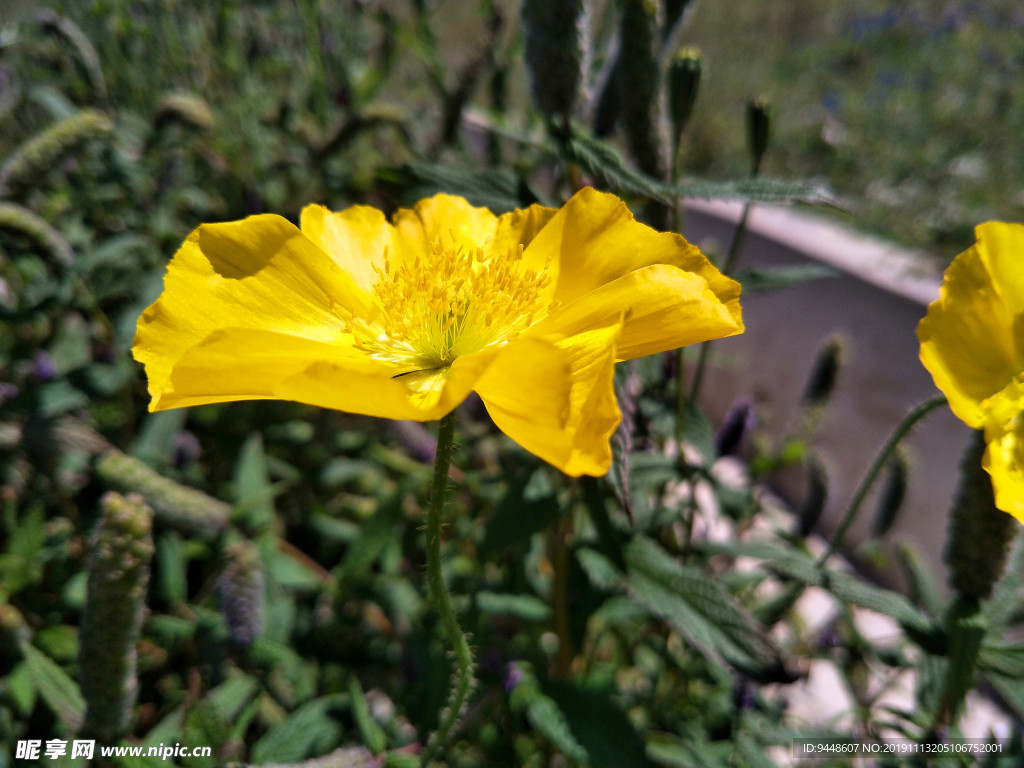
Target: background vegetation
(284,616)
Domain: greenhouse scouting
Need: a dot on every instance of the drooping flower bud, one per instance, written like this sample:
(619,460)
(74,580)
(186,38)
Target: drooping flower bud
(759,113)
(120,553)
(683,82)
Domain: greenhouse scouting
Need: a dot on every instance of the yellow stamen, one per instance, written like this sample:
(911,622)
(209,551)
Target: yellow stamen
(446,303)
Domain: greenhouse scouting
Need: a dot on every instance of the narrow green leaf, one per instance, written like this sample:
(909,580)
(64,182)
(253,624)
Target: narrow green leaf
(501,191)
(850,589)
(525,607)
(756,279)
(307,732)
(372,734)
(700,610)
(254,493)
(58,690)
(155,443)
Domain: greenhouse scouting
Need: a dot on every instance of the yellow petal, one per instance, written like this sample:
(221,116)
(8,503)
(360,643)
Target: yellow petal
(447,218)
(361,387)
(594,240)
(970,340)
(1004,455)
(260,274)
(520,227)
(664,308)
(357,239)
(557,399)
(247,364)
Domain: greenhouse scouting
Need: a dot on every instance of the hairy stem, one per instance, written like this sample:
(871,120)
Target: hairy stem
(463,677)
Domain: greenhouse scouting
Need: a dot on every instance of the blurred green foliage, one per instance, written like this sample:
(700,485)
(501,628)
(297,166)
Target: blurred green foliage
(285,617)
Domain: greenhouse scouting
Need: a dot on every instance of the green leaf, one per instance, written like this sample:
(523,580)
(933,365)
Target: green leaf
(254,493)
(695,751)
(21,690)
(598,726)
(307,732)
(516,519)
(203,725)
(229,698)
(759,190)
(374,537)
(698,433)
(501,191)
(601,160)
(545,716)
(1011,690)
(756,279)
(156,440)
(849,589)
(58,690)
(1005,660)
(372,734)
(700,610)
(525,607)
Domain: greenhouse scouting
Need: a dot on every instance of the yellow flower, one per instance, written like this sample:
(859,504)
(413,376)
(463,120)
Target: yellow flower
(402,320)
(972,342)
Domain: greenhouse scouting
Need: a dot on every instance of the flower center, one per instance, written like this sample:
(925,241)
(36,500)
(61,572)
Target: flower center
(446,303)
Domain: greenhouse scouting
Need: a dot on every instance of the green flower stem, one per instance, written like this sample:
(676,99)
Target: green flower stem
(909,421)
(463,679)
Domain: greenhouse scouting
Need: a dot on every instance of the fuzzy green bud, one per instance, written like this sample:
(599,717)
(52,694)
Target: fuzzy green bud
(240,590)
(683,82)
(38,155)
(175,505)
(894,490)
(556,52)
(759,123)
(118,573)
(979,533)
(822,380)
(813,506)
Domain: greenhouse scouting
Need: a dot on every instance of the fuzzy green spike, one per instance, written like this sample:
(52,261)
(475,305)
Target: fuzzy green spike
(120,553)
(979,534)
(240,589)
(84,51)
(39,154)
(556,53)
(894,490)
(176,505)
(45,239)
(184,108)
(638,78)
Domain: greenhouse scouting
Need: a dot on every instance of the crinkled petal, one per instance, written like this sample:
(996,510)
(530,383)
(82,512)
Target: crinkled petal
(664,308)
(1004,454)
(557,398)
(520,227)
(594,239)
(359,386)
(260,274)
(969,338)
(358,239)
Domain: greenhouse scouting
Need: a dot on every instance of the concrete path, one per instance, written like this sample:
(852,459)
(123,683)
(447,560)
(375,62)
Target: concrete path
(875,301)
